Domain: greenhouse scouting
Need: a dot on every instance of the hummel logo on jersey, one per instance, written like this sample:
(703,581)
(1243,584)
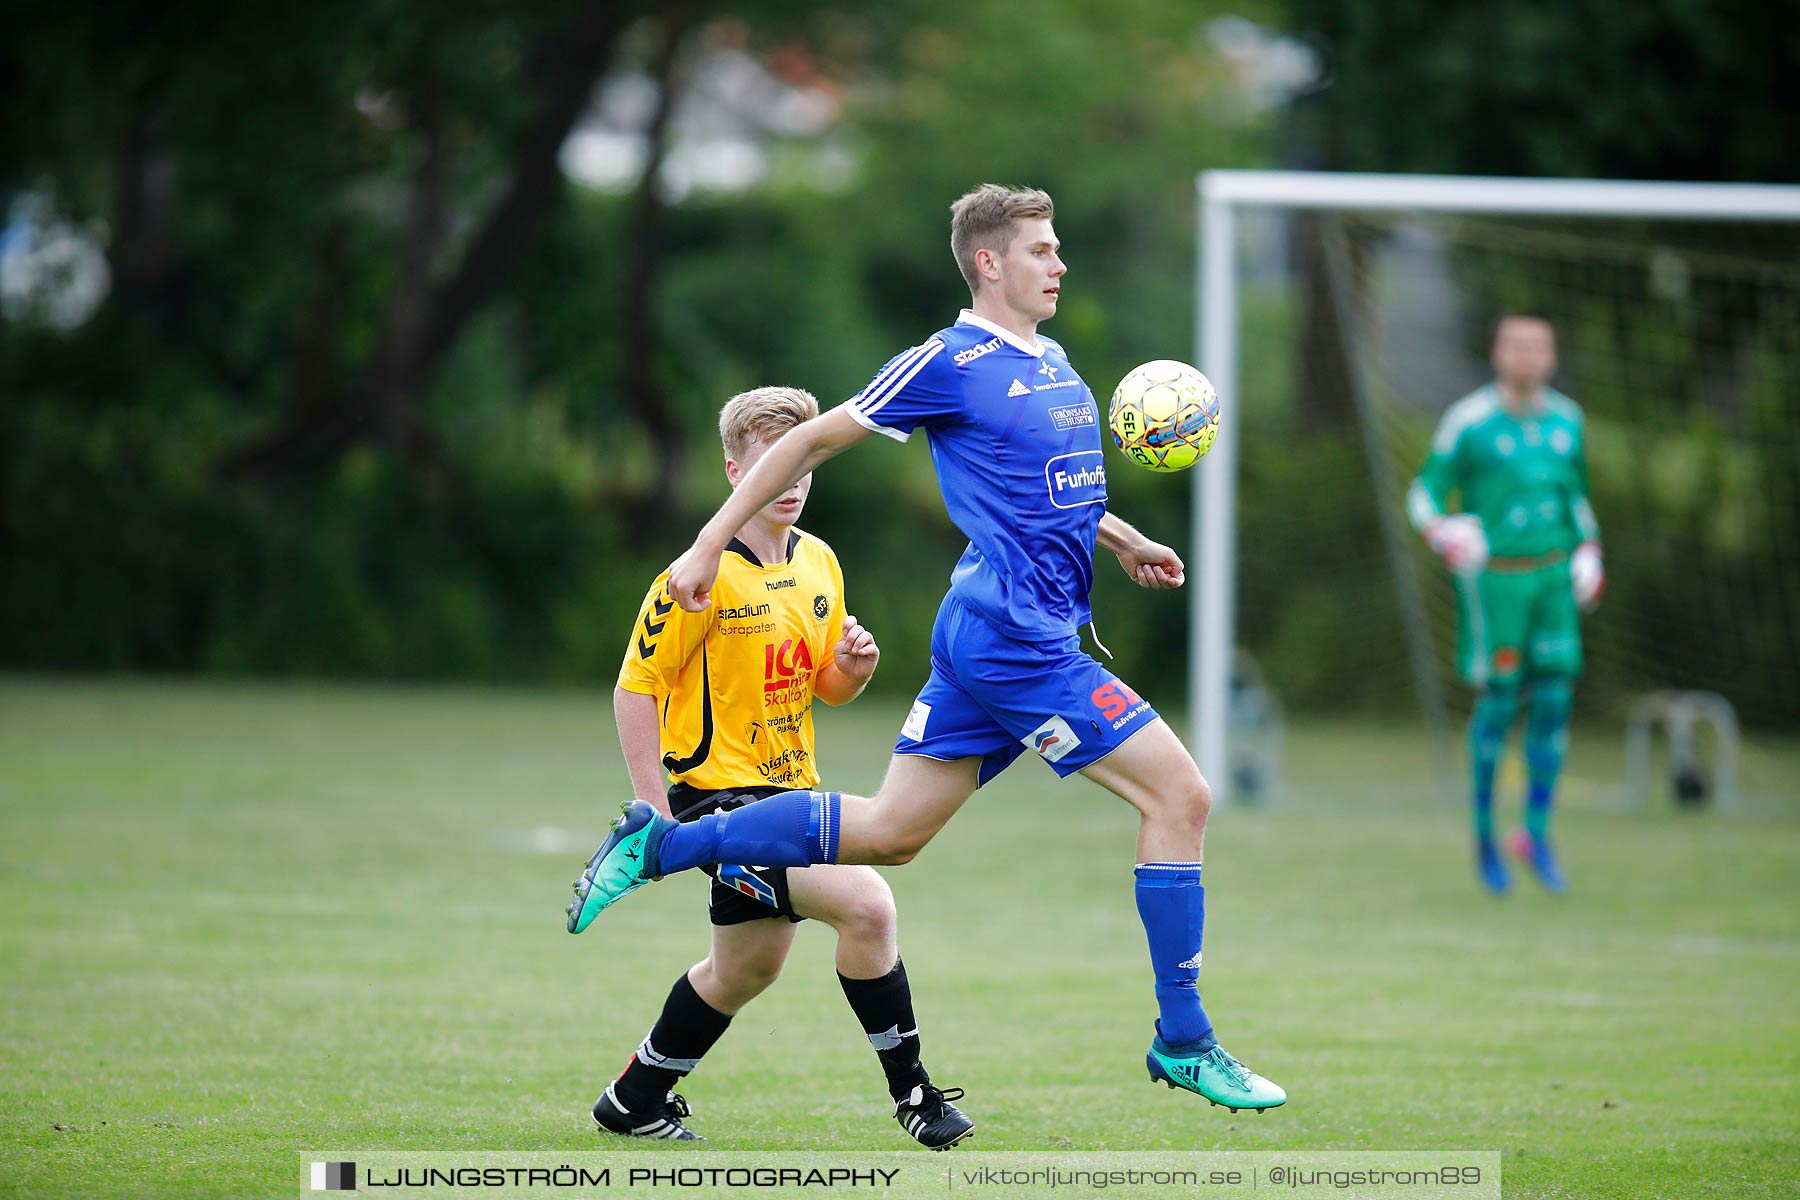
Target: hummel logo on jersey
(1192,964)
(1018,389)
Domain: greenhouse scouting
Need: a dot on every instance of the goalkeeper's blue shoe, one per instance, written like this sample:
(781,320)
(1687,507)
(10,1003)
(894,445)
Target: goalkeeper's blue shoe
(625,862)
(1491,867)
(1536,853)
(1212,1073)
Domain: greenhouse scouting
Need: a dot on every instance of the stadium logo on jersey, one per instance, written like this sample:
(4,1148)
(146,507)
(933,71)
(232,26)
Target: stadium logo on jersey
(1052,739)
(963,358)
(1076,479)
(1018,389)
(1072,416)
(743,611)
(821,607)
(915,721)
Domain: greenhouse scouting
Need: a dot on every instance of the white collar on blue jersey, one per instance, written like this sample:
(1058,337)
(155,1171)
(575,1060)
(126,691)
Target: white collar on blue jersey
(968,317)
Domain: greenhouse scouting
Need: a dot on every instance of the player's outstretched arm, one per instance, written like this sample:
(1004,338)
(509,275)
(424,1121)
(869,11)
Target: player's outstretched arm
(800,450)
(1150,564)
(852,664)
(640,736)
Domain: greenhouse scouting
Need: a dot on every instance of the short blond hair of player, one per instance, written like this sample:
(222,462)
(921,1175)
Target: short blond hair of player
(717,707)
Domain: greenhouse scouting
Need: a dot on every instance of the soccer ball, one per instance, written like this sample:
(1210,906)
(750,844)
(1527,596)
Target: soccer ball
(1164,415)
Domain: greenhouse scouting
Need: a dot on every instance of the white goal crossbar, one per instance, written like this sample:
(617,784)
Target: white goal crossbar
(1221,194)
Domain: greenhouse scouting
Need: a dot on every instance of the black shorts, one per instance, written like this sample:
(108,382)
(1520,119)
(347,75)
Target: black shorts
(738,894)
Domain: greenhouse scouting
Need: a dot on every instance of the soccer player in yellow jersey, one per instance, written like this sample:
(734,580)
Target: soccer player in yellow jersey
(718,704)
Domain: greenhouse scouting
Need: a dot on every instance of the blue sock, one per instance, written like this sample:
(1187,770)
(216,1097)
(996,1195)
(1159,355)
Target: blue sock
(1172,905)
(1489,724)
(789,829)
(1537,811)
(1546,742)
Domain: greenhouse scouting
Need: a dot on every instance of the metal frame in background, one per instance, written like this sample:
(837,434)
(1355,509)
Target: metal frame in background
(1213,553)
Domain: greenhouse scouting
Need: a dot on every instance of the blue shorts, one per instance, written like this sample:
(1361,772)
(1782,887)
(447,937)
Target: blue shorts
(992,697)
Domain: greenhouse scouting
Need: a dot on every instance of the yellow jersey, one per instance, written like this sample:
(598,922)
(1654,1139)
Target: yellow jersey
(734,682)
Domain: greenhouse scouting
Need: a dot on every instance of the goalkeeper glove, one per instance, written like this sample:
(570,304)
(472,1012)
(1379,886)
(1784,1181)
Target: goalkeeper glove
(1587,576)
(1460,541)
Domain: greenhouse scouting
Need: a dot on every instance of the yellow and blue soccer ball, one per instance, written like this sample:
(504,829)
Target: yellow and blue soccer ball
(1164,415)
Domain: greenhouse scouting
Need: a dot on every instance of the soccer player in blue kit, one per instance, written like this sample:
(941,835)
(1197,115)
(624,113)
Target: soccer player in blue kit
(1015,438)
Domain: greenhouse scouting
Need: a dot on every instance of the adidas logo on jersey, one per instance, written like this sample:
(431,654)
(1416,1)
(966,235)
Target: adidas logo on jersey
(1018,389)
(1192,964)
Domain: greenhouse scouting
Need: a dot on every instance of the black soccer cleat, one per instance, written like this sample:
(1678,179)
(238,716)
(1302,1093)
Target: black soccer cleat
(927,1114)
(662,1121)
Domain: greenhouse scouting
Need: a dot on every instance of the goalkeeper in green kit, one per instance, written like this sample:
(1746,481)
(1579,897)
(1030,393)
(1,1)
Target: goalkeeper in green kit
(1524,550)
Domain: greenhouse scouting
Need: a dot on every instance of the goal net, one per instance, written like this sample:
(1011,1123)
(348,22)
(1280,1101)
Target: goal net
(1340,315)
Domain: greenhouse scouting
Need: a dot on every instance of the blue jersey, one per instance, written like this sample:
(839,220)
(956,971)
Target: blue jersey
(1015,438)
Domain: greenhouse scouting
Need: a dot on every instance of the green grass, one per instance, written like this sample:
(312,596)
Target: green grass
(241,922)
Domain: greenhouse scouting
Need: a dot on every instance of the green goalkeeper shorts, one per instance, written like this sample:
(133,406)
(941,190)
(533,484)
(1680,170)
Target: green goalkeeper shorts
(1515,623)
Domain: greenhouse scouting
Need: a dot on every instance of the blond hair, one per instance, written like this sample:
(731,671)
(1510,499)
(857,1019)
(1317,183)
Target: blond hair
(764,412)
(984,218)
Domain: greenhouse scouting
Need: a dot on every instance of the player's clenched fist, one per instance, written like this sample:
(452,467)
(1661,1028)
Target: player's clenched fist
(691,578)
(856,651)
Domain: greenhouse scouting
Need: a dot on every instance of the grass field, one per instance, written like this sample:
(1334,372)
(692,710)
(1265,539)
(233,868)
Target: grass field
(240,922)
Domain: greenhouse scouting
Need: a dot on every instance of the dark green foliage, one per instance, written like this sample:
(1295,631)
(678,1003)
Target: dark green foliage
(326,425)
(226,470)
(1668,89)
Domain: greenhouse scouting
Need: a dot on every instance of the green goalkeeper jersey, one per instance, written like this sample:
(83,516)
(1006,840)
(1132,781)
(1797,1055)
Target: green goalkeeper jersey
(1524,476)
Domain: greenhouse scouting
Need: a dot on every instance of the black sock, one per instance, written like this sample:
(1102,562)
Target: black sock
(680,1038)
(884,1006)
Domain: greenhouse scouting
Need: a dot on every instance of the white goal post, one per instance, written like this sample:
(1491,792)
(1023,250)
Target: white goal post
(1221,194)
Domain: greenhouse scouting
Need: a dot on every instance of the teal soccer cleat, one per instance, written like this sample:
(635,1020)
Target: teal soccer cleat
(625,862)
(1213,1074)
